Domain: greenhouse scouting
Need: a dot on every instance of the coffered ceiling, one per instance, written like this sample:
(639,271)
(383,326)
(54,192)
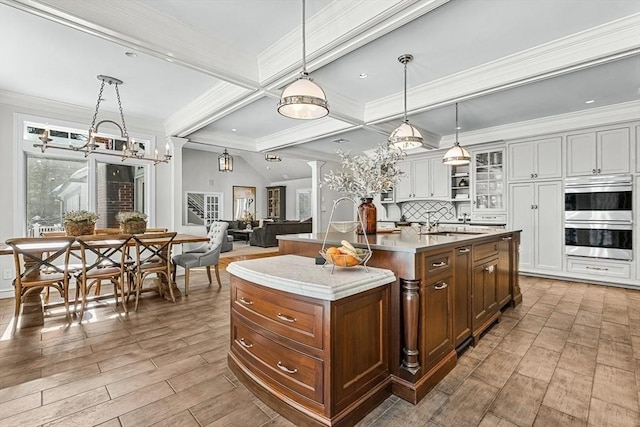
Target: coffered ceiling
(212,71)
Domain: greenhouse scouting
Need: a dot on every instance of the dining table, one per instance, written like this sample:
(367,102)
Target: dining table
(32,308)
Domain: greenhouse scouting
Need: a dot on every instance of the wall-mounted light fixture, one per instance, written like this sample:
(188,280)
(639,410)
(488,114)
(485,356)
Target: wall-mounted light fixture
(272,158)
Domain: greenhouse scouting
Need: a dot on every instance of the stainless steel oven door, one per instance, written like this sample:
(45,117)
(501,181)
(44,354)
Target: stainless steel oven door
(603,198)
(599,240)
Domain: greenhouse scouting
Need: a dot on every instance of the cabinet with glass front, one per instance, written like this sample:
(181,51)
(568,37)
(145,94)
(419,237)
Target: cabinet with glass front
(488,177)
(460,183)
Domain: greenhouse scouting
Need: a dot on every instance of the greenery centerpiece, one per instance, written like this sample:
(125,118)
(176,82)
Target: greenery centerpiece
(363,176)
(80,222)
(132,222)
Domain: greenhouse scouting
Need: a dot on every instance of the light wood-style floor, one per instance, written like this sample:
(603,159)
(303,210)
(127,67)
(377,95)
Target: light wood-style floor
(568,356)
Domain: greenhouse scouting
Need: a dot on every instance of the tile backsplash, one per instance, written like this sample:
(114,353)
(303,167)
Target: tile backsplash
(419,211)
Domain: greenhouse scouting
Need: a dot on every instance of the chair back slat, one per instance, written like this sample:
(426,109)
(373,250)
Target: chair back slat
(100,251)
(34,256)
(153,246)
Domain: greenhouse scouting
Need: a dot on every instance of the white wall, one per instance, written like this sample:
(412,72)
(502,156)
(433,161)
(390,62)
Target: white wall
(200,167)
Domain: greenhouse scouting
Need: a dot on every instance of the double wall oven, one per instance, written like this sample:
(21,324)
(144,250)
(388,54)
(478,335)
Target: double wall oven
(598,217)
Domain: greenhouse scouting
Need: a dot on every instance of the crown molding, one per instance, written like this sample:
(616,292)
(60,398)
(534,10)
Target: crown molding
(333,32)
(44,107)
(307,132)
(605,43)
(217,102)
(157,35)
(618,113)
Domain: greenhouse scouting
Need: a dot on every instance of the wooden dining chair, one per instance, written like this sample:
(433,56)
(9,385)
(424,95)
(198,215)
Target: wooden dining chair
(104,257)
(152,255)
(41,262)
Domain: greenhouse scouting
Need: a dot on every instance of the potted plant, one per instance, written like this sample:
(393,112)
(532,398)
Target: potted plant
(78,223)
(132,222)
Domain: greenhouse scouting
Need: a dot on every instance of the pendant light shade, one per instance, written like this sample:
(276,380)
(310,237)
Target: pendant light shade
(405,136)
(456,155)
(303,99)
(225,162)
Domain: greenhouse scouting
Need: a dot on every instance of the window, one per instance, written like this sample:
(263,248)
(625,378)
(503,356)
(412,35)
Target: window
(303,203)
(57,181)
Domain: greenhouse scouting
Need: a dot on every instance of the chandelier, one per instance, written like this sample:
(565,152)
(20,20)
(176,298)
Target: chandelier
(456,155)
(303,99)
(405,137)
(130,148)
(225,162)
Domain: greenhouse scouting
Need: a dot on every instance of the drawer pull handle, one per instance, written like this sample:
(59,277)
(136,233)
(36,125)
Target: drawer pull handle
(464,250)
(285,369)
(506,238)
(440,286)
(245,344)
(246,301)
(489,269)
(597,268)
(287,318)
(439,264)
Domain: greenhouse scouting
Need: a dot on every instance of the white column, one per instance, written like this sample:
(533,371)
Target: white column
(316,195)
(175,147)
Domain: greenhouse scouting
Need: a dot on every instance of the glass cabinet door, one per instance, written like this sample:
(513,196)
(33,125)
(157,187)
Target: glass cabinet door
(489,180)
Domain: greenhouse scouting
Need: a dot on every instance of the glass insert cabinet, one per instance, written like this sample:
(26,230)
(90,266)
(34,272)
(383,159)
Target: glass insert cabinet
(276,203)
(488,178)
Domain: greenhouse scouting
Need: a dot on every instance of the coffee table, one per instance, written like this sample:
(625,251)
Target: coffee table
(245,232)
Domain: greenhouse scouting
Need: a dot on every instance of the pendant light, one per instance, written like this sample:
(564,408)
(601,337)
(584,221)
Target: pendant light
(405,136)
(303,99)
(456,155)
(225,162)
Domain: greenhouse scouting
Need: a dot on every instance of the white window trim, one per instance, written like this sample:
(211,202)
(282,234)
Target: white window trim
(24,147)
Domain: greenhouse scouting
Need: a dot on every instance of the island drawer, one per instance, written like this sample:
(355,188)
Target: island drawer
(293,317)
(438,263)
(295,372)
(485,250)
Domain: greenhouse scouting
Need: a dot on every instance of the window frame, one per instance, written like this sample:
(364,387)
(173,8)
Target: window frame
(25,147)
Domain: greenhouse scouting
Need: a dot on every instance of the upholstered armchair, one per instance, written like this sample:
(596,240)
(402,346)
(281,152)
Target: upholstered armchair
(204,256)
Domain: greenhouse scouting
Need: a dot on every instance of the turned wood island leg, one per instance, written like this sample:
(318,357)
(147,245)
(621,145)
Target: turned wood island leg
(410,315)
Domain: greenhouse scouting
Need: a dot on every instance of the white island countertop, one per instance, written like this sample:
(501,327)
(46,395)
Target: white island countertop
(301,276)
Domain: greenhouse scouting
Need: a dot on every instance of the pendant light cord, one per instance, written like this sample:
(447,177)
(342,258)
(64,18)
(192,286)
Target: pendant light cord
(405,92)
(456,123)
(304,44)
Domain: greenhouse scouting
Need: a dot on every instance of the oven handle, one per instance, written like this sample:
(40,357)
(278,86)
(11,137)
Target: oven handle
(606,188)
(593,225)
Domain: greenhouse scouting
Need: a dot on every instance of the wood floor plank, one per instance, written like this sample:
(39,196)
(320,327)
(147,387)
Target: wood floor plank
(21,404)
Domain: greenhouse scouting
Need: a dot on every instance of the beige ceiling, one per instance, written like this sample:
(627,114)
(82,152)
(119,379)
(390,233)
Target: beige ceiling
(212,71)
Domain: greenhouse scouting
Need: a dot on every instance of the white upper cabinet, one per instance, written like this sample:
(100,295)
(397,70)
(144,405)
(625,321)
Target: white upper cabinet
(438,178)
(413,185)
(601,152)
(488,181)
(637,153)
(539,159)
(425,178)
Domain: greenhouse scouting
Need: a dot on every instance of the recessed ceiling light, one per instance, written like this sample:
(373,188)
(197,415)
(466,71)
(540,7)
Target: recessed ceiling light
(363,75)
(591,101)
(234,130)
(340,140)
(131,54)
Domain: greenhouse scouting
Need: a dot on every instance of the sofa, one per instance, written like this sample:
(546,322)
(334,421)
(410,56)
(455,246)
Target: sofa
(265,236)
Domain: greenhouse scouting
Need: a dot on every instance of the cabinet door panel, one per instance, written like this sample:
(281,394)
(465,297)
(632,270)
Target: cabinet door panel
(420,178)
(461,295)
(521,217)
(549,226)
(521,161)
(549,158)
(503,277)
(581,154)
(613,151)
(438,339)
(404,187)
(438,178)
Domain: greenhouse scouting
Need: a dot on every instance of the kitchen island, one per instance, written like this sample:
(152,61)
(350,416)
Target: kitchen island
(311,344)
(452,283)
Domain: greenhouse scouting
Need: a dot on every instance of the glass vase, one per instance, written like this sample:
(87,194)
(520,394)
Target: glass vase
(368,214)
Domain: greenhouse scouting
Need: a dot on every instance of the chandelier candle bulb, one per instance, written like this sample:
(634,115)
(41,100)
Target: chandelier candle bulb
(166,149)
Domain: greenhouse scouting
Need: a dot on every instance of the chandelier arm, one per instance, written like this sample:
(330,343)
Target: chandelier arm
(304,44)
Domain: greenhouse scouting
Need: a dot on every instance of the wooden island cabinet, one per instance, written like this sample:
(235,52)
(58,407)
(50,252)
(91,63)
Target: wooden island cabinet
(451,286)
